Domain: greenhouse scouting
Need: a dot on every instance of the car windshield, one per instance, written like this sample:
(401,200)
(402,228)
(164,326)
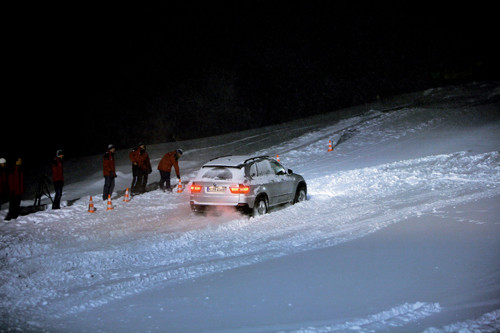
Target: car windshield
(277,168)
(218,173)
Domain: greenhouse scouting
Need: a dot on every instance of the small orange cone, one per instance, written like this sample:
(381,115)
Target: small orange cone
(278,158)
(110,206)
(126,198)
(179,187)
(330,148)
(91,206)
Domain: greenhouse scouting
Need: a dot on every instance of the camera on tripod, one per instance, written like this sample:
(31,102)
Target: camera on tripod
(42,189)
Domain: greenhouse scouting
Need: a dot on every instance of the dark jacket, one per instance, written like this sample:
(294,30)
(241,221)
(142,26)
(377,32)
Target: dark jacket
(4,182)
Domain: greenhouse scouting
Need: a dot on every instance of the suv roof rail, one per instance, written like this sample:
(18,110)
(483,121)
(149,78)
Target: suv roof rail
(256,157)
(219,157)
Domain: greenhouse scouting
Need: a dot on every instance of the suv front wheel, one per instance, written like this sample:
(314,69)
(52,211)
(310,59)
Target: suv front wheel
(300,195)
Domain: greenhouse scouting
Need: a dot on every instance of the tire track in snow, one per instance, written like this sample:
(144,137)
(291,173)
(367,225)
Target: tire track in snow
(107,257)
(357,202)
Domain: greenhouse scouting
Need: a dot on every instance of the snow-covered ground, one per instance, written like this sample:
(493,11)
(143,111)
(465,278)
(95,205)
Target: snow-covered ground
(401,233)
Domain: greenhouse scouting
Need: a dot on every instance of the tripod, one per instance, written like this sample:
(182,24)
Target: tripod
(42,189)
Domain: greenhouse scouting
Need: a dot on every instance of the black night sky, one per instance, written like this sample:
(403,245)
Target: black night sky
(83,76)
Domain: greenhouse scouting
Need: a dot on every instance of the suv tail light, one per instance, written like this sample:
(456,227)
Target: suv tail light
(195,188)
(240,189)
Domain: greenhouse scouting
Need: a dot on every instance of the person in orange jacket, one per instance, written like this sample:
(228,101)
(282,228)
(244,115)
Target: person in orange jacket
(58,178)
(109,172)
(135,168)
(4,182)
(165,166)
(144,166)
(16,189)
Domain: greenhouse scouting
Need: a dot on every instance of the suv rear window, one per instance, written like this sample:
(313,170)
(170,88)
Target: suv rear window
(218,173)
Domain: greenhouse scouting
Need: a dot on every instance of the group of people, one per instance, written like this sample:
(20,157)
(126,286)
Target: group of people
(12,184)
(12,176)
(141,168)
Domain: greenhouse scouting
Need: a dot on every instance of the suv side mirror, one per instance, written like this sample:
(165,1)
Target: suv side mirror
(290,171)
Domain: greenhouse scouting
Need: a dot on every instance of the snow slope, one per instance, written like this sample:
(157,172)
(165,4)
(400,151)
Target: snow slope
(400,233)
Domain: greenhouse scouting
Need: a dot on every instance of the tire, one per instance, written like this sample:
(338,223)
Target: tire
(261,207)
(300,195)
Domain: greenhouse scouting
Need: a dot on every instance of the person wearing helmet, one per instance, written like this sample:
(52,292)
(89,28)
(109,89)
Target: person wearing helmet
(165,167)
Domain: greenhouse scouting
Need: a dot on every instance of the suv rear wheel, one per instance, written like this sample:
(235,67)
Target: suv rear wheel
(260,207)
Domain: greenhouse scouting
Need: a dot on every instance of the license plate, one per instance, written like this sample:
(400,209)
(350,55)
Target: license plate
(216,189)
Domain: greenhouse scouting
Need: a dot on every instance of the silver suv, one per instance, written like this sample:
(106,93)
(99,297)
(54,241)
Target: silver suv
(251,184)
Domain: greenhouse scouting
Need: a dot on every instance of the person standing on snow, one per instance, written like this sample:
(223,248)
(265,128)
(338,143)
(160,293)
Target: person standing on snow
(165,166)
(109,172)
(16,189)
(135,168)
(58,178)
(4,182)
(144,167)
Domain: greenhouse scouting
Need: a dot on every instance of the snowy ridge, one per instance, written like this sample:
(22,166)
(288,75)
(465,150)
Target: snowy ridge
(395,317)
(487,323)
(387,168)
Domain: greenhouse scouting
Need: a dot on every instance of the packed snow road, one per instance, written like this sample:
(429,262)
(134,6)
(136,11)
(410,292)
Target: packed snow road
(387,167)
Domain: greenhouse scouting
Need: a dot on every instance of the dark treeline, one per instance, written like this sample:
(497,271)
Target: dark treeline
(188,70)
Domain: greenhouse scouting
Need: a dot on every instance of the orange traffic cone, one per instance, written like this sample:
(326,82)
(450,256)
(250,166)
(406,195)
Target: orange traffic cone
(126,198)
(91,206)
(330,148)
(278,158)
(179,187)
(110,206)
